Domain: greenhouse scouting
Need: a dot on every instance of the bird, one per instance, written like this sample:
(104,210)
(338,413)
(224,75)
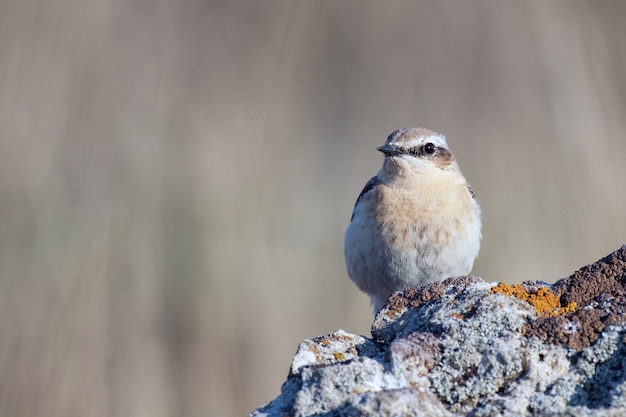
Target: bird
(416,222)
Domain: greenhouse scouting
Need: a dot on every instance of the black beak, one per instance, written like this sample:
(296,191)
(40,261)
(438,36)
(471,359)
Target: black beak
(389,150)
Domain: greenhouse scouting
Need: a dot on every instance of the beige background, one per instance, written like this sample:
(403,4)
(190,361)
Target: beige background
(176,176)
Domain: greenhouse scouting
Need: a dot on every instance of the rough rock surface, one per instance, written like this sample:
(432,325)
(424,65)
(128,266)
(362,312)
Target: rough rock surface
(468,347)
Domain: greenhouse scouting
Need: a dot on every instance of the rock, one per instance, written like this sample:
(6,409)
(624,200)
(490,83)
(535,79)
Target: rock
(467,347)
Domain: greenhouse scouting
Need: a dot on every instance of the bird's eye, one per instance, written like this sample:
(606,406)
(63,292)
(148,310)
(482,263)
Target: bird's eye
(429,149)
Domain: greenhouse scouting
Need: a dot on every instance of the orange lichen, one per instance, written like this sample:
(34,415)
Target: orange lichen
(458,316)
(543,300)
(316,352)
(392,314)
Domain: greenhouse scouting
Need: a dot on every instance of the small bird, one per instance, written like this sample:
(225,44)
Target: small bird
(416,222)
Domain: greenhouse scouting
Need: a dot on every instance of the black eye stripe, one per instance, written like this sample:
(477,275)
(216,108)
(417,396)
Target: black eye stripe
(428,149)
(423,150)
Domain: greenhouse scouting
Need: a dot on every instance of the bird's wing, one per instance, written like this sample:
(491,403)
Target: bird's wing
(368,187)
(471,191)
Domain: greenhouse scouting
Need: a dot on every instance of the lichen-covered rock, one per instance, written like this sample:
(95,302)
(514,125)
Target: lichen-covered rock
(467,347)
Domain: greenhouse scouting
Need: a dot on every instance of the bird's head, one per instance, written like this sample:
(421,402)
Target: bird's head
(417,151)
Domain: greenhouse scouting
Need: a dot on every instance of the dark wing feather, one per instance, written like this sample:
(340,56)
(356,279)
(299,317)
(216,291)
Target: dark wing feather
(471,191)
(368,187)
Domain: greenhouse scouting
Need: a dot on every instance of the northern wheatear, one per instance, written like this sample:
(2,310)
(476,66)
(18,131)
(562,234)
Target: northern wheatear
(417,221)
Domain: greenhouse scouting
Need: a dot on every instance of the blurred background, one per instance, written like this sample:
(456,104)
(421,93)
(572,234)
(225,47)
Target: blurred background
(176,177)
